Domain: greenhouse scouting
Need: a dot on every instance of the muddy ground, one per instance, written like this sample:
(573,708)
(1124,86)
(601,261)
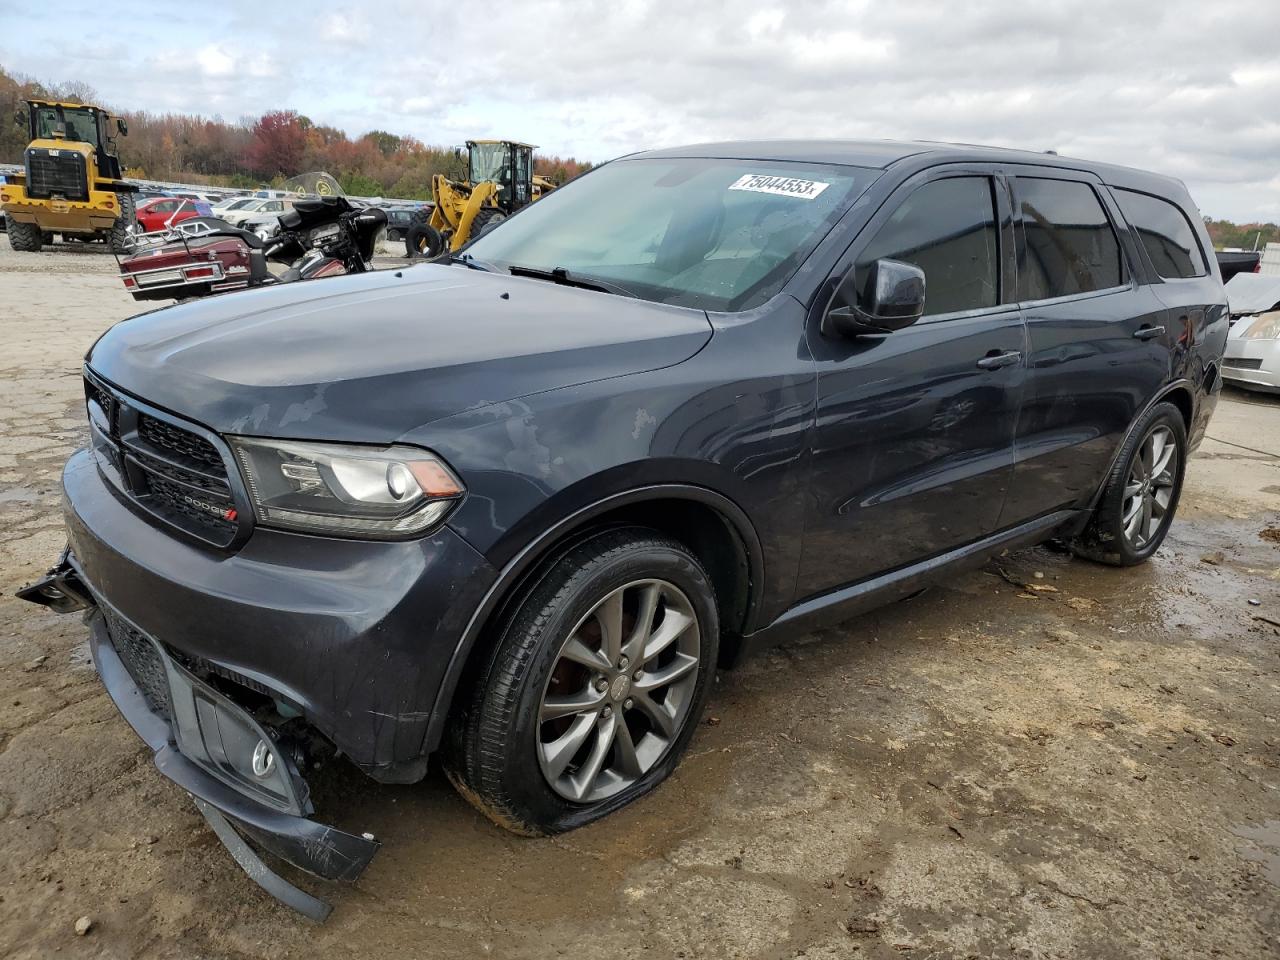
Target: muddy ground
(1086,771)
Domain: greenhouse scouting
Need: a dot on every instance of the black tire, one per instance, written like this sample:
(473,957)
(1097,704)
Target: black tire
(24,237)
(119,239)
(421,239)
(1105,539)
(485,220)
(494,755)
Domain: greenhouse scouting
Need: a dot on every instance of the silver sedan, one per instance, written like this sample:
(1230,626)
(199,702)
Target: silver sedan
(1252,359)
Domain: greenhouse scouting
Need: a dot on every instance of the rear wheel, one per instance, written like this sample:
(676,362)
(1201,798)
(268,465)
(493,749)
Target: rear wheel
(1138,503)
(119,239)
(24,237)
(594,689)
(421,239)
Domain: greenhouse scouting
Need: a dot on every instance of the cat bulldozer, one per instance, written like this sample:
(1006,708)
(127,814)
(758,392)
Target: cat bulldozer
(500,180)
(71,181)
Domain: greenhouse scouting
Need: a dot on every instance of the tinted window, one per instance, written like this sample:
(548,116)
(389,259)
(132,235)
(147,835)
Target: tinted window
(1166,233)
(1071,247)
(948,229)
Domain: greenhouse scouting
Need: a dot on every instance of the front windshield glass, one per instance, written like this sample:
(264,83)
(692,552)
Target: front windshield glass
(488,161)
(237,204)
(77,123)
(715,234)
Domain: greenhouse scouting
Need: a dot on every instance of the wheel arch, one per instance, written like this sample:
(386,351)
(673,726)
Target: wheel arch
(711,525)
(1181,394)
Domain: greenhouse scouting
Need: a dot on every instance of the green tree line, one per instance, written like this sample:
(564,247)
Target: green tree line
(254,151)
(1224,234)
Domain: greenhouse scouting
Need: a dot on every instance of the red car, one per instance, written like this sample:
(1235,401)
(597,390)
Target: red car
(162,212)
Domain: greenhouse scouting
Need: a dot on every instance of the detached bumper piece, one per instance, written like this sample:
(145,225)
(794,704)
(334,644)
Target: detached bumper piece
(240,779)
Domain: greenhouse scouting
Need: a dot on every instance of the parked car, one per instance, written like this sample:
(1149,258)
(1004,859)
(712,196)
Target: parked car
(516,506)
(263,227)
(164,212)
(257,208)
(231,203)
(1252,359)
(398,220)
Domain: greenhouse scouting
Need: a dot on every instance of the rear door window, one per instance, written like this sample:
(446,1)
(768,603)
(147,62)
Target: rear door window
(1166,233)
(1071,247)
(948,229)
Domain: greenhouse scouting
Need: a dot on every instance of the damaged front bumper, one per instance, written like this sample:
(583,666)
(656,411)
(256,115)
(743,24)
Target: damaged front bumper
(243,782)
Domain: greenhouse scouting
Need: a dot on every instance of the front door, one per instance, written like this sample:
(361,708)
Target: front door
(912,450)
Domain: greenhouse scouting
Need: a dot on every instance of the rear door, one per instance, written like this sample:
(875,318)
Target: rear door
(1099,349)
(913,443)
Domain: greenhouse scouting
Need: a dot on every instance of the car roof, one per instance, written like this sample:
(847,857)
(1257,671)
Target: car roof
(881,154)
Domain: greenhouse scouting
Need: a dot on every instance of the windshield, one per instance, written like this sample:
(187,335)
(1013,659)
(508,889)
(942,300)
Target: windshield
(715,234)
(78,123)
(488,161)
(236,204)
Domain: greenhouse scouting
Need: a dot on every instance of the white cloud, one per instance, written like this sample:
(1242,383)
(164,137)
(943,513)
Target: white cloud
(1179,86)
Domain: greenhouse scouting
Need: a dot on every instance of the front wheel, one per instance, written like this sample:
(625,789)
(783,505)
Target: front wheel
(1141,495)
(595,686)
(25,237)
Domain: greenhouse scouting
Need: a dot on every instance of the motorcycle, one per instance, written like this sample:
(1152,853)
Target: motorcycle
(322,236)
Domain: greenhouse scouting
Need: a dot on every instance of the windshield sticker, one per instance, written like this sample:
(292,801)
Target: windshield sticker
(781,186)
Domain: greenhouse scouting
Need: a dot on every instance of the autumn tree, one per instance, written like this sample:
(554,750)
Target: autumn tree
(276,145)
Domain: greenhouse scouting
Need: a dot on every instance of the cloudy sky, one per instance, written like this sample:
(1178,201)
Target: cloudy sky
(1185,87)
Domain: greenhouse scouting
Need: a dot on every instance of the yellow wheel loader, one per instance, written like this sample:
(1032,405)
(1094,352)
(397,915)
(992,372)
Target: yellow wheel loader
(71,180)
(500,180)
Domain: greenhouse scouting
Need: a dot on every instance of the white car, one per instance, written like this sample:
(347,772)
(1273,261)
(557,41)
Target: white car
(1252,358)
(256,209)
(230,203)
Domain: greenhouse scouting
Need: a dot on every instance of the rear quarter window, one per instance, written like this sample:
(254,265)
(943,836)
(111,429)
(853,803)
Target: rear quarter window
(1070,247)
(1166,234)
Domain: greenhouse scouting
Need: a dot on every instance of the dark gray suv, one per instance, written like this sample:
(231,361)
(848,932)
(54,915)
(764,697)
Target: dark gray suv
(515,506)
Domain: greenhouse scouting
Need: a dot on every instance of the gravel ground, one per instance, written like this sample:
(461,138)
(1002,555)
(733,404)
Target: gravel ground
(1090,769)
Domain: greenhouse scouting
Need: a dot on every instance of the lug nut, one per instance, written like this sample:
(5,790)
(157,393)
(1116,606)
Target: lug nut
(623,663)
(602,684)
(638,675)
(629,703)
(607,711)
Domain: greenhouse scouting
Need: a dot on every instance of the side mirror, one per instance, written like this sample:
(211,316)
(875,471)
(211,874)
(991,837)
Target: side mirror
(894,300)
(122,126)
(20,117)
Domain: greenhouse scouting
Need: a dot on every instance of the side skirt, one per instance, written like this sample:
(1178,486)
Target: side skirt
(840,605)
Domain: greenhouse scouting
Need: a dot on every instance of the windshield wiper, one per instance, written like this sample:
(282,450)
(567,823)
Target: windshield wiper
(562,276)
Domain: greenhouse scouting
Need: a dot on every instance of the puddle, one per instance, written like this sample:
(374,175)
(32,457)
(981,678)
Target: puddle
(1263,847)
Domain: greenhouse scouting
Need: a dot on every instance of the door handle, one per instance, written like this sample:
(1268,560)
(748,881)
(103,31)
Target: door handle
(995,360)
(1147,333)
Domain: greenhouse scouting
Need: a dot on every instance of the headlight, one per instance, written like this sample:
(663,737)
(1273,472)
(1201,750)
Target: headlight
(1265,326)
(383,492)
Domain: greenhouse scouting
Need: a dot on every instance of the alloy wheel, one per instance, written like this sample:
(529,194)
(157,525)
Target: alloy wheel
(620,691)
(1148,491)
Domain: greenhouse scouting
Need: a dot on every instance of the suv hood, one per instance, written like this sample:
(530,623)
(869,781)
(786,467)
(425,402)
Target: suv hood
(370,356)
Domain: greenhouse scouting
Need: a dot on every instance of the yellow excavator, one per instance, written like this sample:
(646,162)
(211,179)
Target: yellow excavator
(71,181)
(500,180)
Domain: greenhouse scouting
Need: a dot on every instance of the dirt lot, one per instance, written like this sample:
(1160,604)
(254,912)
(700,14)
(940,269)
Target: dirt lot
(1090,769)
